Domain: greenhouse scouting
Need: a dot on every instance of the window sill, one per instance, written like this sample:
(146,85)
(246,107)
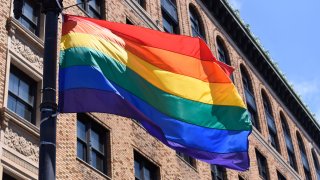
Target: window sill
(9,116)
(13,26)
(94,169)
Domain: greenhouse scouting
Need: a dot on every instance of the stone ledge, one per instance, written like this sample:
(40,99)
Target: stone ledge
(9,116)
(81,162)
(275,153)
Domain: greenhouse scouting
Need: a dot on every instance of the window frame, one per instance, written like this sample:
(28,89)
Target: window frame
(280,176)
(33,89)
(142,3)
(188,159)
(248,91)
(303,156)
(91,125)
(316,163)
(216,171)
(85,5)
(262,161)
(195,18)
(271,124)
(34,25)
(221,49)
(166,16)
(287,137)
(144,163)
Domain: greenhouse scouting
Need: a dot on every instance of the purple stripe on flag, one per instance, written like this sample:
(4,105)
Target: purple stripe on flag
(78,100)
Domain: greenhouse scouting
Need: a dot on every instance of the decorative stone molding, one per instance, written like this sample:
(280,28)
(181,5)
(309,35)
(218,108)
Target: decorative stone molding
(4,121)
(7,116)
(25,51)
(18,161)
(21,144)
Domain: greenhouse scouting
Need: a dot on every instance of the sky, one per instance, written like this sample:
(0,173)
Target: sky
(290,31)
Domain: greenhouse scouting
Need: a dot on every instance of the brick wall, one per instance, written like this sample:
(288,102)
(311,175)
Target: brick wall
(127,136)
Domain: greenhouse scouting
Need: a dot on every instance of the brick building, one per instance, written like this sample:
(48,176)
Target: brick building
(284,144)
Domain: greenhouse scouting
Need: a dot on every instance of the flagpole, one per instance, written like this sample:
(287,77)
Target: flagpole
(48,107)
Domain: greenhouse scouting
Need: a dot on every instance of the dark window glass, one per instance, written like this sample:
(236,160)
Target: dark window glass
(187,158)
(292,159)
(316,163)
(144,169)
(240,178)
(30,17)
(21,95)
(307,173)
(250,100)
(129,22)
(287,136)
(280,176)
(169,16)
(92,7)
(262,165)
(271,124)
(142,3)
(91,142)
(218,173)
(222,53)
(196,27)
(6,176)
(304,157)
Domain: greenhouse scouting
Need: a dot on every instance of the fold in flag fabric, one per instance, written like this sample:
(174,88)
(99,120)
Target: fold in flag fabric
(171,84)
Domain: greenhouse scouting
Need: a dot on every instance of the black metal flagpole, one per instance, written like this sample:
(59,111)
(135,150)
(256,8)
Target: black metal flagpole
(48,108)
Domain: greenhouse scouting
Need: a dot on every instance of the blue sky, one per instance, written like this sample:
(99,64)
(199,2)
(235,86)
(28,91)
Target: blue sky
(290,31)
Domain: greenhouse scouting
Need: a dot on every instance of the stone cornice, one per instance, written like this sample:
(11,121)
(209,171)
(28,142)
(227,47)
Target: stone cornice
(232,25)
(13,27)
(9,116)
(276,154)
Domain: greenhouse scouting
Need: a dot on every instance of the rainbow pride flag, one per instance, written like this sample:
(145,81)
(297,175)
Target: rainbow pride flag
(171,84)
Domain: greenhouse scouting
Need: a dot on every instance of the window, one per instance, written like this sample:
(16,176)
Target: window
(262,165)
(6,176)
(187,158)
(218,173)
(92,7)
(307,173)
(21,95)
(222,52)
(91,143)
(250,100)
(142,3)
(240,177)
(316,163)
(144,169)
(287,137)
(196,27)
(169,16)
(270,121)
(30,17)
(280,176)
(128,21)
(303,157)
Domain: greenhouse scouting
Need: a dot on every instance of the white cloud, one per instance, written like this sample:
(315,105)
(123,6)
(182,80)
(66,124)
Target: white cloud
(310,94)
(306,88)
(236,4)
